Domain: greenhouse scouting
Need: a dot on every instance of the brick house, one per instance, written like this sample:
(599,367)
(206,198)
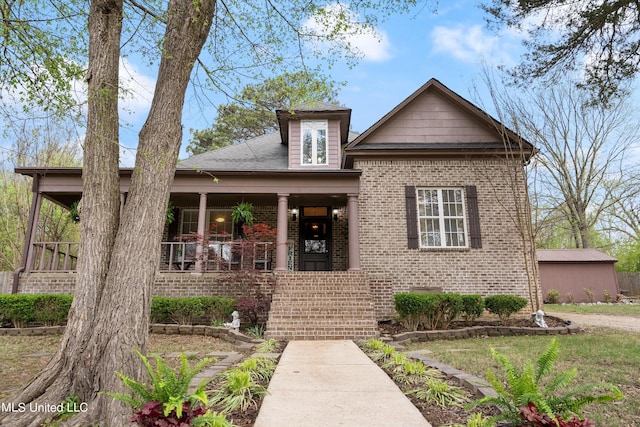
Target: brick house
(429,197)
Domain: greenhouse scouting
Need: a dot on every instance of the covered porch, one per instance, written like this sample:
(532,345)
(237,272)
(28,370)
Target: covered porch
(315,214)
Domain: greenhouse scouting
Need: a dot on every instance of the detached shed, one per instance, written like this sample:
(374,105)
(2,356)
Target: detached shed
(574,271)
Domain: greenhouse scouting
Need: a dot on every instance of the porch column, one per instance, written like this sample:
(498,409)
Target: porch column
(202,218)
(354,234)
(32,225)
(281,236)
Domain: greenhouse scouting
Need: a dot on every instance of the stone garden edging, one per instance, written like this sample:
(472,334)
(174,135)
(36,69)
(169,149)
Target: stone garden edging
(479,331)
(156,328)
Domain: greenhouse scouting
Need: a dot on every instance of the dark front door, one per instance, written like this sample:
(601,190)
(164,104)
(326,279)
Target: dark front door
(315,239)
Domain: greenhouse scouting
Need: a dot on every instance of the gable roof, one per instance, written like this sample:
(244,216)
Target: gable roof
(315,110)
(435,119)
(573,255)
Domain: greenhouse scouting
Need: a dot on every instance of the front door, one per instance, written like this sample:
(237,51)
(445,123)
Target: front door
(315,239)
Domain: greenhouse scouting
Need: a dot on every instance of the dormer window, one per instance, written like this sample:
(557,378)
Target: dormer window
(314,142)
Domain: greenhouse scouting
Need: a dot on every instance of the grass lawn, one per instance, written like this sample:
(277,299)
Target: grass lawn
(21,358)
(632,310)
(601,355)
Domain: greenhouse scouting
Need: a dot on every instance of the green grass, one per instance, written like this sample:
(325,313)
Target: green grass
(632,310)
(601,355)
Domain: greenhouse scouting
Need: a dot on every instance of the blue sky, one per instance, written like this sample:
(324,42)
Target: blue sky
(452,45)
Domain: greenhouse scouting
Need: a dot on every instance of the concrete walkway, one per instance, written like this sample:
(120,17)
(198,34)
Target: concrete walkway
(333,383)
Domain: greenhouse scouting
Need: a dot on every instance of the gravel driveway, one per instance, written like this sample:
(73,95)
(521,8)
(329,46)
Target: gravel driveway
(624,323)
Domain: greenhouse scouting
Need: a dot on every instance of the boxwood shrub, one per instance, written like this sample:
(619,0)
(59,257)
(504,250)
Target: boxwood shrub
(34,309)
(505,305)
(472,307)
(426,310)
(52,309)
(187,310)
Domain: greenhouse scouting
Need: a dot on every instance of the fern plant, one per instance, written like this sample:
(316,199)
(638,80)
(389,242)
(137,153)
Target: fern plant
(553,398)
(441,393)
(168,388)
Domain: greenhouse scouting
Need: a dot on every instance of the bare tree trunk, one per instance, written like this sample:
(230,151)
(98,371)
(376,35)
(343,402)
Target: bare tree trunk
(109,318)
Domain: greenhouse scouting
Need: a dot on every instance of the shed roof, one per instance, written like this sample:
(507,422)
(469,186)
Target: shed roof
(573,255)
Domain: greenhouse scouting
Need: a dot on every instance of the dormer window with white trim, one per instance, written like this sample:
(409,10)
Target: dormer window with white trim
(314,142)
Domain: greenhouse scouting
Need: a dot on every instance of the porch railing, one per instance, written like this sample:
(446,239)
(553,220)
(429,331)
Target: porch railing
(216,256)
(54,256)
(174,256)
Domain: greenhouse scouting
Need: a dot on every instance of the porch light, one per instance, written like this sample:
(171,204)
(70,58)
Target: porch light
(220,219)
(335,214)
(294,214)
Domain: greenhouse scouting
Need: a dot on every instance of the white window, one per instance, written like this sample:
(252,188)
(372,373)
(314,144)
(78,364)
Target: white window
(441,218)
(218,223)
(314,142)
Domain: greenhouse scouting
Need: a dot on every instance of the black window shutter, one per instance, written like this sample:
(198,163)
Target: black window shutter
(474,217)
(412,217)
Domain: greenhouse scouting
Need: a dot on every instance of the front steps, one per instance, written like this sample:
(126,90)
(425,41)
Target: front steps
(321,305)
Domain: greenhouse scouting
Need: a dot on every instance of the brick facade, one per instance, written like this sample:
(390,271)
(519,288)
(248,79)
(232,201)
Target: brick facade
(496,268)
(166,284)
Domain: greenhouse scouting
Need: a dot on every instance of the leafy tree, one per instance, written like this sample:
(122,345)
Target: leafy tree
(600,37)
(582,146)
(46,145)
(110,312)
(254,113)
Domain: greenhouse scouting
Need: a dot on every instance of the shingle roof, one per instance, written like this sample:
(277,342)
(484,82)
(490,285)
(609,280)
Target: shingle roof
(261,153)
(573,255)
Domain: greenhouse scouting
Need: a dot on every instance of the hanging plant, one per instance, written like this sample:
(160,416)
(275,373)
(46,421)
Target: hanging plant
(74,212)
(243,213)
(171,214)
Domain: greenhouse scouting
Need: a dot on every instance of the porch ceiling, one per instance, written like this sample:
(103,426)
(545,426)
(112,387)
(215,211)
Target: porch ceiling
(224,199)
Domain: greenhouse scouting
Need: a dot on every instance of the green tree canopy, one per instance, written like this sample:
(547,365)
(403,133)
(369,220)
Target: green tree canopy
(254,112)
(600,38)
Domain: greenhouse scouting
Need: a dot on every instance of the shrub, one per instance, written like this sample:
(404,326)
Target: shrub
(52,310)
(523,387)
(589,293)
(188,310)
(553,296)
(430,311)
(24,309)
(607,296)
(504,305)
(472,307)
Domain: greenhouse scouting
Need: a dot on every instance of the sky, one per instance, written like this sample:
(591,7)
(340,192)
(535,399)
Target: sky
(452,45)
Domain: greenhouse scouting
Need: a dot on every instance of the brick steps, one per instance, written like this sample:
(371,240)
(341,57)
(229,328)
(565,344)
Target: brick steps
(321,306)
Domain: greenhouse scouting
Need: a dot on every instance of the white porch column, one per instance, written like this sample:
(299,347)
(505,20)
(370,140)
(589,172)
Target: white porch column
(281,236)
(202,217)
(354,234)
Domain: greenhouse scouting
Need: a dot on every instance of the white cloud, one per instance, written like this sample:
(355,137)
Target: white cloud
(469,44)
(136,90)
(338,23)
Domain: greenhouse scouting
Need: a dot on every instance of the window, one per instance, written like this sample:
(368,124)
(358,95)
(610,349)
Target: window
(314,142)
(441,218)
(218,223)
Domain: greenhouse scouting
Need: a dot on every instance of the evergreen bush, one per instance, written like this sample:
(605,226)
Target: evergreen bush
(504,305)
(429,311)
(472,307)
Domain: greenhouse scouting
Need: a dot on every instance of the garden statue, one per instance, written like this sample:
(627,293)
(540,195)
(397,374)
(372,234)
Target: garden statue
(540,319)
(235,323)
